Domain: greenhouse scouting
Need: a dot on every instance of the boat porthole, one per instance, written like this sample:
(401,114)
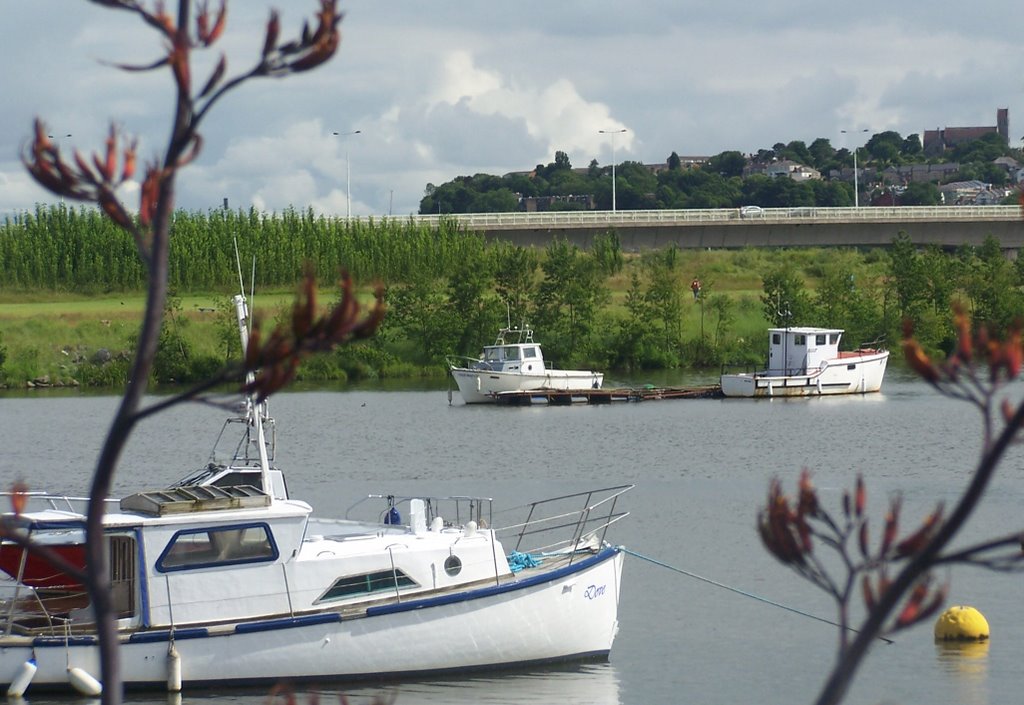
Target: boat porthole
(452,565)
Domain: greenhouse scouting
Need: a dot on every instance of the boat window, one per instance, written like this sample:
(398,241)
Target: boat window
(834,338)
(819,339)
(776,339)
(366,583)
(511,353)
(492,354)
(201,548)
(800,340)
(529,353)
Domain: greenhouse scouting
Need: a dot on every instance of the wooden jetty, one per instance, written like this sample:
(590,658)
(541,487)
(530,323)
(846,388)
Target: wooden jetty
(565,397)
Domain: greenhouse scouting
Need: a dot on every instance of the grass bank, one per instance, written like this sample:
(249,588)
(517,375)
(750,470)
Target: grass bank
(69,339)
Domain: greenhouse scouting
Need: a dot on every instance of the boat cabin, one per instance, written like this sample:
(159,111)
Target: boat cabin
(797,350)
(522,356)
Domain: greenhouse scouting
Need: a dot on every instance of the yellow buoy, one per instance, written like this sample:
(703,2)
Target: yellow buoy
(961,623)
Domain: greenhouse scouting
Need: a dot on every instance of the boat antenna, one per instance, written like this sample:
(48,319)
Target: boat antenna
(238,266)
(241,282)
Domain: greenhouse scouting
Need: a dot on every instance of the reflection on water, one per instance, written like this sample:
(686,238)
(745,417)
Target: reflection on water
(589,684)
(965,664)
(581,684)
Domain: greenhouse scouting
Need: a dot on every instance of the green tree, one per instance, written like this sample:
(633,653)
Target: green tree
(420,314)
(785,300)
(991,287)
(607,252)
(473,312)
(636,186)
(514,274)
(984,149)
(500,200)
(634,344)
(911,148)
(729,163)
(907,277)
(568,299)
(884,147)
(846,299)
(665,297)
(920,193)
(822,153)
(171,362)
(796,151)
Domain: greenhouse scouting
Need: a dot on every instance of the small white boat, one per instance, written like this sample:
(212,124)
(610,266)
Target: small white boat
(514,363)
(807,362)
(222,578)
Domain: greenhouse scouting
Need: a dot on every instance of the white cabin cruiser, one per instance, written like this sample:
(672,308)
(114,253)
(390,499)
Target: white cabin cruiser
(514,363)
(808,362)
(223,578)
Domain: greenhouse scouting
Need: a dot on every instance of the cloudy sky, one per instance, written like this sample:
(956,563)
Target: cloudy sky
(455,87)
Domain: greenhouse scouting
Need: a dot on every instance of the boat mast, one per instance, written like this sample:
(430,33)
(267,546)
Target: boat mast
(254,412)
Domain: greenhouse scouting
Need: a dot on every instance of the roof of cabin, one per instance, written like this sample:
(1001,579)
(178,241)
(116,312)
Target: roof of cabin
(805,330)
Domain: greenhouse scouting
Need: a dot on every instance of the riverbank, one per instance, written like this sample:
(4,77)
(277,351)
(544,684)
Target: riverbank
(646,319)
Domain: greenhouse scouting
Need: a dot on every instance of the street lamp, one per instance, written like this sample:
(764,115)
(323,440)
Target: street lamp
(856,184)
(348,175)
(612,133)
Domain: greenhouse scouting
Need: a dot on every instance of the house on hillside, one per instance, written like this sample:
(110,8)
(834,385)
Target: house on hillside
(920,173)
(971,193)
(784,167)
(1012,167)
(537,204)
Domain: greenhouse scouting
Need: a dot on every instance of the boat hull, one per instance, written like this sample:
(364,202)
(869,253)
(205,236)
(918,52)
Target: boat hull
(569,613)
(480,386)
(851,374)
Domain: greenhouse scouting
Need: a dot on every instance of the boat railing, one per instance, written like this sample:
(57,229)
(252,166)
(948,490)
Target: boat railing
(466,362)
(34,501)
(742,368)
(455,510)
(568,523)
(514,336)
(876,344)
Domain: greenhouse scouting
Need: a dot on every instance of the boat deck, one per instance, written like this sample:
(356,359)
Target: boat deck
(565,397)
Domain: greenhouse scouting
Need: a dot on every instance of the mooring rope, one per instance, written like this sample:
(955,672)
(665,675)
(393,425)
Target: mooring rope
(751,595)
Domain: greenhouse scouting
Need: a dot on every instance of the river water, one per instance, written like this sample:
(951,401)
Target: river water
(715,635)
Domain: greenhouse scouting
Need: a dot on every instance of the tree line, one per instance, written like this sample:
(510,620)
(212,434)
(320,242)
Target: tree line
(719,183)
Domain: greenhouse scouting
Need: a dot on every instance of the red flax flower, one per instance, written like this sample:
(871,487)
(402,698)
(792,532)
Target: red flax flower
(208,35)
(94,179)
(917,609)
(784,532)
(19,497)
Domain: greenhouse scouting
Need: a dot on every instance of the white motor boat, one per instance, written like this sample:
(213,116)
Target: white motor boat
(222,578)
(514,363)
(808,362)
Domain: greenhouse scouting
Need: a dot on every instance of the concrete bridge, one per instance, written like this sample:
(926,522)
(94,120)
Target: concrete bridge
(946,226)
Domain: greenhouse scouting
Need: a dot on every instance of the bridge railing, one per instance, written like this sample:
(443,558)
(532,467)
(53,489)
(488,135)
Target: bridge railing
(814,214)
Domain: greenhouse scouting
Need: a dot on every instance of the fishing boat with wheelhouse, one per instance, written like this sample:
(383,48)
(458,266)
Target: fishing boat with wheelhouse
(807,362)
(514,363)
